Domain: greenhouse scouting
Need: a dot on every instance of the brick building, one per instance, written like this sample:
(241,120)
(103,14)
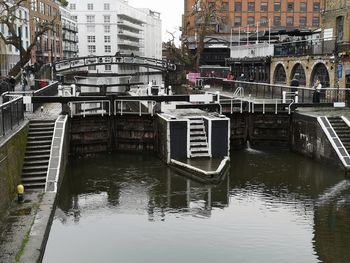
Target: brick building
(49,46)
(236,19)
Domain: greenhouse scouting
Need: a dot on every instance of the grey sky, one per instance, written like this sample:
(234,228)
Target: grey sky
(171,12)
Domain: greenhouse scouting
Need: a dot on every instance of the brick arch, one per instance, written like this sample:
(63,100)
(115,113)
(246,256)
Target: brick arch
(320,71)
(299,70)
(280,74)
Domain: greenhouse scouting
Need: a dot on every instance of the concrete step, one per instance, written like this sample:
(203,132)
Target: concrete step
(41,179)
(194,155)
(198,139)
(40,132)
(36,157)
(196,121)
(198,144)
(34,168)
(197,127)
(43,129)
(40,138)
(38,152)
(28,163)
(35,185)
(33,174)
(36,143)
(41,126)
(202,149)
(195,133)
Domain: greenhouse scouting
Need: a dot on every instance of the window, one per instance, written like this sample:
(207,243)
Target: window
(238,7)
(107,49)
(91,67)
(90,29)
(251,20)
(107,39)
(238,21)
(27,35)
(251,7)
(72,6)
(316,21)
(107,29)
(90,6)
(108,67)
(264,7)
(224,6)
(303,7)
(316,7)
(42,8)
(91,39)
(264,21)
(211,6)
(91,48)
(302,21)
(90,19)
(107,19)
(290,7)
(277,21)
(277,7)
(75,18)
(34,5)
(340,28)
(106,6)
(290,21)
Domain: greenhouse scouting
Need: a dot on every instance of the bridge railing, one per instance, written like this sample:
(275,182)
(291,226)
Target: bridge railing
(84,108)
(134,107)
(11,115)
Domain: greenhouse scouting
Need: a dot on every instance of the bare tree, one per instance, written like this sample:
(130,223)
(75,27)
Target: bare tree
(10,18)
(206,16)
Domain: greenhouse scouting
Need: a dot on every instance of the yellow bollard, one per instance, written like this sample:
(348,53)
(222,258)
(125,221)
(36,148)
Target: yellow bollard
(20,193)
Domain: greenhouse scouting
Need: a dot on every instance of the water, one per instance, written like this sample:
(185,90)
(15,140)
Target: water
(275,206)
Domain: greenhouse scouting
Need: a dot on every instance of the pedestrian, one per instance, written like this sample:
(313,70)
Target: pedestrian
(317,91)
(12,83)
(294,83)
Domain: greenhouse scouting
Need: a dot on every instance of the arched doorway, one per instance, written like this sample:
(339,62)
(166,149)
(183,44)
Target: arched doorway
(299,72)
(280,76)
(320,72)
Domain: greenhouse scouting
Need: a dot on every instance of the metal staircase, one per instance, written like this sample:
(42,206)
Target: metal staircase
(198,138)
(37,155)
(342,130)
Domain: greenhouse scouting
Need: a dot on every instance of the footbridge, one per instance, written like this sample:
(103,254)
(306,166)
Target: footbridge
(160,65)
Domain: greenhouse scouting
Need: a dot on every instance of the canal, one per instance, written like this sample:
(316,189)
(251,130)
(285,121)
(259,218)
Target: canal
(274,206)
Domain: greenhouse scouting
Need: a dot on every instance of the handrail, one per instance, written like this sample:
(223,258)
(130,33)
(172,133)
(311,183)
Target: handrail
(12,113)
(150,104)
(87,112)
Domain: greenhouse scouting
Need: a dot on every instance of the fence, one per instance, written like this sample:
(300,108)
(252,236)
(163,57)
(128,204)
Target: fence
(11,115)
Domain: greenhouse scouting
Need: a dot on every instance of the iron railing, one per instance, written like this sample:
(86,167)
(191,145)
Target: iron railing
(134,107)
(84,108)
(11,115)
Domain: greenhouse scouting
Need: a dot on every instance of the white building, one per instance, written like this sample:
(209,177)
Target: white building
(69,34)
(106,27)
(9,55)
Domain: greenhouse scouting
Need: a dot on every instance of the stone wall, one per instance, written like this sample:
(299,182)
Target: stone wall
(12,152)
(309,139)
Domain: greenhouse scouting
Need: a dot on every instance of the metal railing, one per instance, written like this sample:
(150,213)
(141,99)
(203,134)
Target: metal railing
(11,115)
(134,107)
(84,108)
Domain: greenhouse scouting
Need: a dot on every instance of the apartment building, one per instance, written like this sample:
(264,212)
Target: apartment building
(235,20)
(110,26)
(69,34)
(49,45)
(9,55)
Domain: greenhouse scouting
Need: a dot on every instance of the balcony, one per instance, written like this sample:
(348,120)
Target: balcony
(305,48)
(128,43)
(129,34)
(70,27)
(129,25)
(250,51)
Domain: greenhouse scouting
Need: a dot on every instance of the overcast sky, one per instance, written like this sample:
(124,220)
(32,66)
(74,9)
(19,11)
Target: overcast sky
(171,12)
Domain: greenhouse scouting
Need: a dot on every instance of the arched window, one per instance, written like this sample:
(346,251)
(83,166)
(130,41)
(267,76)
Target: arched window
(299,73)
(320,72)
(280,76)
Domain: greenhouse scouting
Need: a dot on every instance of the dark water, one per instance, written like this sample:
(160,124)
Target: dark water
(273,207)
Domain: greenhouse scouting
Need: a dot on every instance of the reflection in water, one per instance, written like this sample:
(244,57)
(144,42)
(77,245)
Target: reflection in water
(273,207)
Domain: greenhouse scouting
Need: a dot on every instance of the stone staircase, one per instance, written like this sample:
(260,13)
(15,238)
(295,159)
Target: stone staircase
(37,155)
(342,130)
(198,138)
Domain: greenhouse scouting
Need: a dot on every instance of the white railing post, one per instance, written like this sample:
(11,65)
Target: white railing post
(84,110)
(231,106)
(121,107)
(263,106)
(115,107)
(296,97)
(102,107)
(241,106)
(284,96)
(140,108)
(276,107)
